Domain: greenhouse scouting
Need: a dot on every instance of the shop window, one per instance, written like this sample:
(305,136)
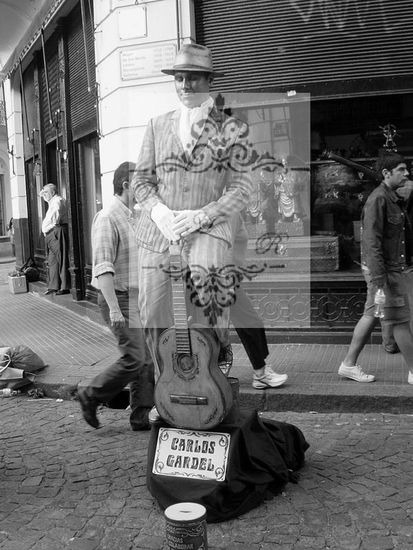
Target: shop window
(278,152)
(275,151)
(354,130)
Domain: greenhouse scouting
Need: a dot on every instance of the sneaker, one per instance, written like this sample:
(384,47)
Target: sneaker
(410,377)
(269,379)
(355,373)
(154,416)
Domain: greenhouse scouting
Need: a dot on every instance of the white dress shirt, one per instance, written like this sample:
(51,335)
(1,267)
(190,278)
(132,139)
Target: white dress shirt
(191,123)
(56,214)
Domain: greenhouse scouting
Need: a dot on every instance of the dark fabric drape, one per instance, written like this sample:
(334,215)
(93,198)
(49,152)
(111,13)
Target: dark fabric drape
(264,455)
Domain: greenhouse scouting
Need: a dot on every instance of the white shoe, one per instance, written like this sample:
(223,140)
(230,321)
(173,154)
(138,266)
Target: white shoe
(355,373)
(410,377)
(154,416)
(269,379)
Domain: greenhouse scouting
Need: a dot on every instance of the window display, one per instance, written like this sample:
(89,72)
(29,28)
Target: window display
(347,136)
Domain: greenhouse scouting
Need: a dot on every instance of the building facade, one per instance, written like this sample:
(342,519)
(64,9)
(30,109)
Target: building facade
(307,76)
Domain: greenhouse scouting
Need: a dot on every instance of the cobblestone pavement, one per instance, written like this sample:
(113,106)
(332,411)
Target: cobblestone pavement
(66,486)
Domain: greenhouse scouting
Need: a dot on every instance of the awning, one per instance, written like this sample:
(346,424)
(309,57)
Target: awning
(25,32)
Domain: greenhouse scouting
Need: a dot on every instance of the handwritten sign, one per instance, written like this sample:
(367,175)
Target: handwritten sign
(189,454)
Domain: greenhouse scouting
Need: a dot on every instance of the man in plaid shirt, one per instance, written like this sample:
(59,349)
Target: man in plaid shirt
(114,274)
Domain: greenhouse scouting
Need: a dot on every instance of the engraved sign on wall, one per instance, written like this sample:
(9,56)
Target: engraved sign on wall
(144,62)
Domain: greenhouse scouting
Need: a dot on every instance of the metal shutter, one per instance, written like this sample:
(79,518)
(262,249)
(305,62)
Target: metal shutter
(309,45)
(82,102)
(49,130)
(29,110)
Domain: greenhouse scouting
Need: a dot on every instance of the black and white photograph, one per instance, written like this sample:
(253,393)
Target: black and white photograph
(206,275)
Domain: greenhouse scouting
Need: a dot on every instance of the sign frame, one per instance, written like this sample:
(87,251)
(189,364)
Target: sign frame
(192,454)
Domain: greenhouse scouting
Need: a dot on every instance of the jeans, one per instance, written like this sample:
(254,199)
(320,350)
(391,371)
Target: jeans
(134,366)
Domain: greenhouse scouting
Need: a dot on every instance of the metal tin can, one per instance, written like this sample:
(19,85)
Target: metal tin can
(186,526)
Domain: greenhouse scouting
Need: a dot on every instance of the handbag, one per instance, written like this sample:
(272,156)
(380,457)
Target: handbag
(18,365)
(30,271)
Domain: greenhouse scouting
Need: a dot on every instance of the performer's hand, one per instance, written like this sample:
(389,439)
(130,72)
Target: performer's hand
(164,218)
(187,221)
(116,318)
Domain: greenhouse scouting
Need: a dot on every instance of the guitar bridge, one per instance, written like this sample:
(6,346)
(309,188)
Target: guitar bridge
(188,399)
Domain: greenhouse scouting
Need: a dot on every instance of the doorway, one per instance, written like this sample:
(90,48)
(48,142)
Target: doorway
(88,183)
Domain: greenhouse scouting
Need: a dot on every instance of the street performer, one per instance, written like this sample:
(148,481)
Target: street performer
(387,263)
(189,182)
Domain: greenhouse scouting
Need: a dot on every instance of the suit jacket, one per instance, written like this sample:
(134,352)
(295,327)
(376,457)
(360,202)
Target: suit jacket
(214,175)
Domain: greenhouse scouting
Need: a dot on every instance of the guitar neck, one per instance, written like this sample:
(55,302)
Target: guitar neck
(180,315)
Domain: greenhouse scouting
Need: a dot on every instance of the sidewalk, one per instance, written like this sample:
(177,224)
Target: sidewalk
(74,343)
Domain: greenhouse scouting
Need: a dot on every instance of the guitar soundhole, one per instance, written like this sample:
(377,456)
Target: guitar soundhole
(185,365)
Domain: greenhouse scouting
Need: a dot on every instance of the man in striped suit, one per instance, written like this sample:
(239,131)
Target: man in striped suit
(189,182)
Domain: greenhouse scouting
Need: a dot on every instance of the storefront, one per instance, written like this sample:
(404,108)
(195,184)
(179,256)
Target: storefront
(322,74)
(53,110)
(355,61)
(72,87)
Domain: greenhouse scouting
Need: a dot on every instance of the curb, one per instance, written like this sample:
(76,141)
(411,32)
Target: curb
(284,401)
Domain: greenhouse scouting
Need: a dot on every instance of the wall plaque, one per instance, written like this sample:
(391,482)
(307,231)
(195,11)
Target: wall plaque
(144,62)
(190,454)
(132,22)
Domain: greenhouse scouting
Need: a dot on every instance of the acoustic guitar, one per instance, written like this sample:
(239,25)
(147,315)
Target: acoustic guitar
(191,391)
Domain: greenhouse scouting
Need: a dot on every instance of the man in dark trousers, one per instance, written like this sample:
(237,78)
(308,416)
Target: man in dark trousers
(55,231)
(114,274)
(247,323)
(387,261)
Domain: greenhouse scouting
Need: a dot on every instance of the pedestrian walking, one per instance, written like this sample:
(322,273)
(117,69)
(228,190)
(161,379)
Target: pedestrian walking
(55,231)
(405,192)
(114,274)
(246,321)
(387,263)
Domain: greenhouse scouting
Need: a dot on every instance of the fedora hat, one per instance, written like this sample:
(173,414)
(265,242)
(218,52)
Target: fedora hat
(195,58)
